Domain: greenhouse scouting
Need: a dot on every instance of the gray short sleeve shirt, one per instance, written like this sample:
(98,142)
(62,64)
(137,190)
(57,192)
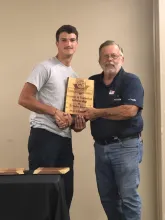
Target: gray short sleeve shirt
(50,78)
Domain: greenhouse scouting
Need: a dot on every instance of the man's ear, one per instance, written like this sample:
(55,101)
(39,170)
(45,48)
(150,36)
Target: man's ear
(122,59)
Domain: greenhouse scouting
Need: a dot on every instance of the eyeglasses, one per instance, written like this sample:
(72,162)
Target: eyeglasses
(111,56)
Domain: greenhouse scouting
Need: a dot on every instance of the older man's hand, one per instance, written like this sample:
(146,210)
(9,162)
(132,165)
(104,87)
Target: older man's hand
(90,113)
(79,123)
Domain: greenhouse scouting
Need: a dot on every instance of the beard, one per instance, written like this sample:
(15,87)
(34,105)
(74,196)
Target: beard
(109,68)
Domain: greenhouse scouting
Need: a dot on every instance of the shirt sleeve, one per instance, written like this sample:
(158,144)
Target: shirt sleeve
(38,77)
(75,75)
(133,93)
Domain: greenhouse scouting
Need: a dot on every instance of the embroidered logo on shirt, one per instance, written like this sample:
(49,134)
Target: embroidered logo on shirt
(117,99)
(111,92)
(134,100)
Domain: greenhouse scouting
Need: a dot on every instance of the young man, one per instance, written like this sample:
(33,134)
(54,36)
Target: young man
(44,95)
(116,126)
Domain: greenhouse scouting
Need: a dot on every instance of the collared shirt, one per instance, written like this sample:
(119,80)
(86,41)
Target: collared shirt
(125,89)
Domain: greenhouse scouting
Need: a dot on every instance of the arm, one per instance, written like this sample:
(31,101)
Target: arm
(122,112)
(132,102)
(28,100)
(39,76)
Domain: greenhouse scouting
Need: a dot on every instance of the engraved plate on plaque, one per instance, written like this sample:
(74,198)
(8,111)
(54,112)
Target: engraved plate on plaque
(79,95)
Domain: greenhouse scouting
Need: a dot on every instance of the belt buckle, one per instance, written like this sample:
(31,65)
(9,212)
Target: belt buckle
(115,138)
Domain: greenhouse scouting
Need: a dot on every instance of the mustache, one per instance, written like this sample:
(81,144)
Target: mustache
(111,64)
(68,47)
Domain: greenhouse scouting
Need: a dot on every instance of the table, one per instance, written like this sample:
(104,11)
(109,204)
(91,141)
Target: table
(32,197)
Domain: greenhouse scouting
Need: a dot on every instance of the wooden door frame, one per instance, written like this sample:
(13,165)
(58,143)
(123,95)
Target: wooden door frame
(159,79)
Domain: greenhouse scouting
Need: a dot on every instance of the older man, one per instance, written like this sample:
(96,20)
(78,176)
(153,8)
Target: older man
(116,126)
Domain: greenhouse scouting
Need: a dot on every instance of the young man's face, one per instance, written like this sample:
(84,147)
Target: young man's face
(67,44)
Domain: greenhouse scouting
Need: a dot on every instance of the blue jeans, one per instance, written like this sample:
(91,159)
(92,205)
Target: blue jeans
(118,177)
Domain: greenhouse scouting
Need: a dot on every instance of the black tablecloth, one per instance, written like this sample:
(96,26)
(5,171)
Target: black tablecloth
(32,197)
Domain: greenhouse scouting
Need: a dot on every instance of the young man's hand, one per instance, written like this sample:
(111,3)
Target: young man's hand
(62,119)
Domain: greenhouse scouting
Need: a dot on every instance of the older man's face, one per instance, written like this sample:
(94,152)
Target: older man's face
(111,59)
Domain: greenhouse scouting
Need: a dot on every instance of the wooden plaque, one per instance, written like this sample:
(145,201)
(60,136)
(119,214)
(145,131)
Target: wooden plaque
(51,170)
(11,171)
(79,95)
(40,170)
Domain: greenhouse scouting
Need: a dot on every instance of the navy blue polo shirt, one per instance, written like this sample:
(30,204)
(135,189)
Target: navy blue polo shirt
(125,89)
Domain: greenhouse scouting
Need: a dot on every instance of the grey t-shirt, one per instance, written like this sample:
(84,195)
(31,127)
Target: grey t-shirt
(50,79)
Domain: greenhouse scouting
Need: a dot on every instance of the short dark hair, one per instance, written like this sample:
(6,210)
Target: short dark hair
(110,42)
(68,29)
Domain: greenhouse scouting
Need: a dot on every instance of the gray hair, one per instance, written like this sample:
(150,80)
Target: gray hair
(110,42)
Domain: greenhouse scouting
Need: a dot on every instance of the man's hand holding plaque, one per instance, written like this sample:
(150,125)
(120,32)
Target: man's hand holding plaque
(79,96)
(63,119)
